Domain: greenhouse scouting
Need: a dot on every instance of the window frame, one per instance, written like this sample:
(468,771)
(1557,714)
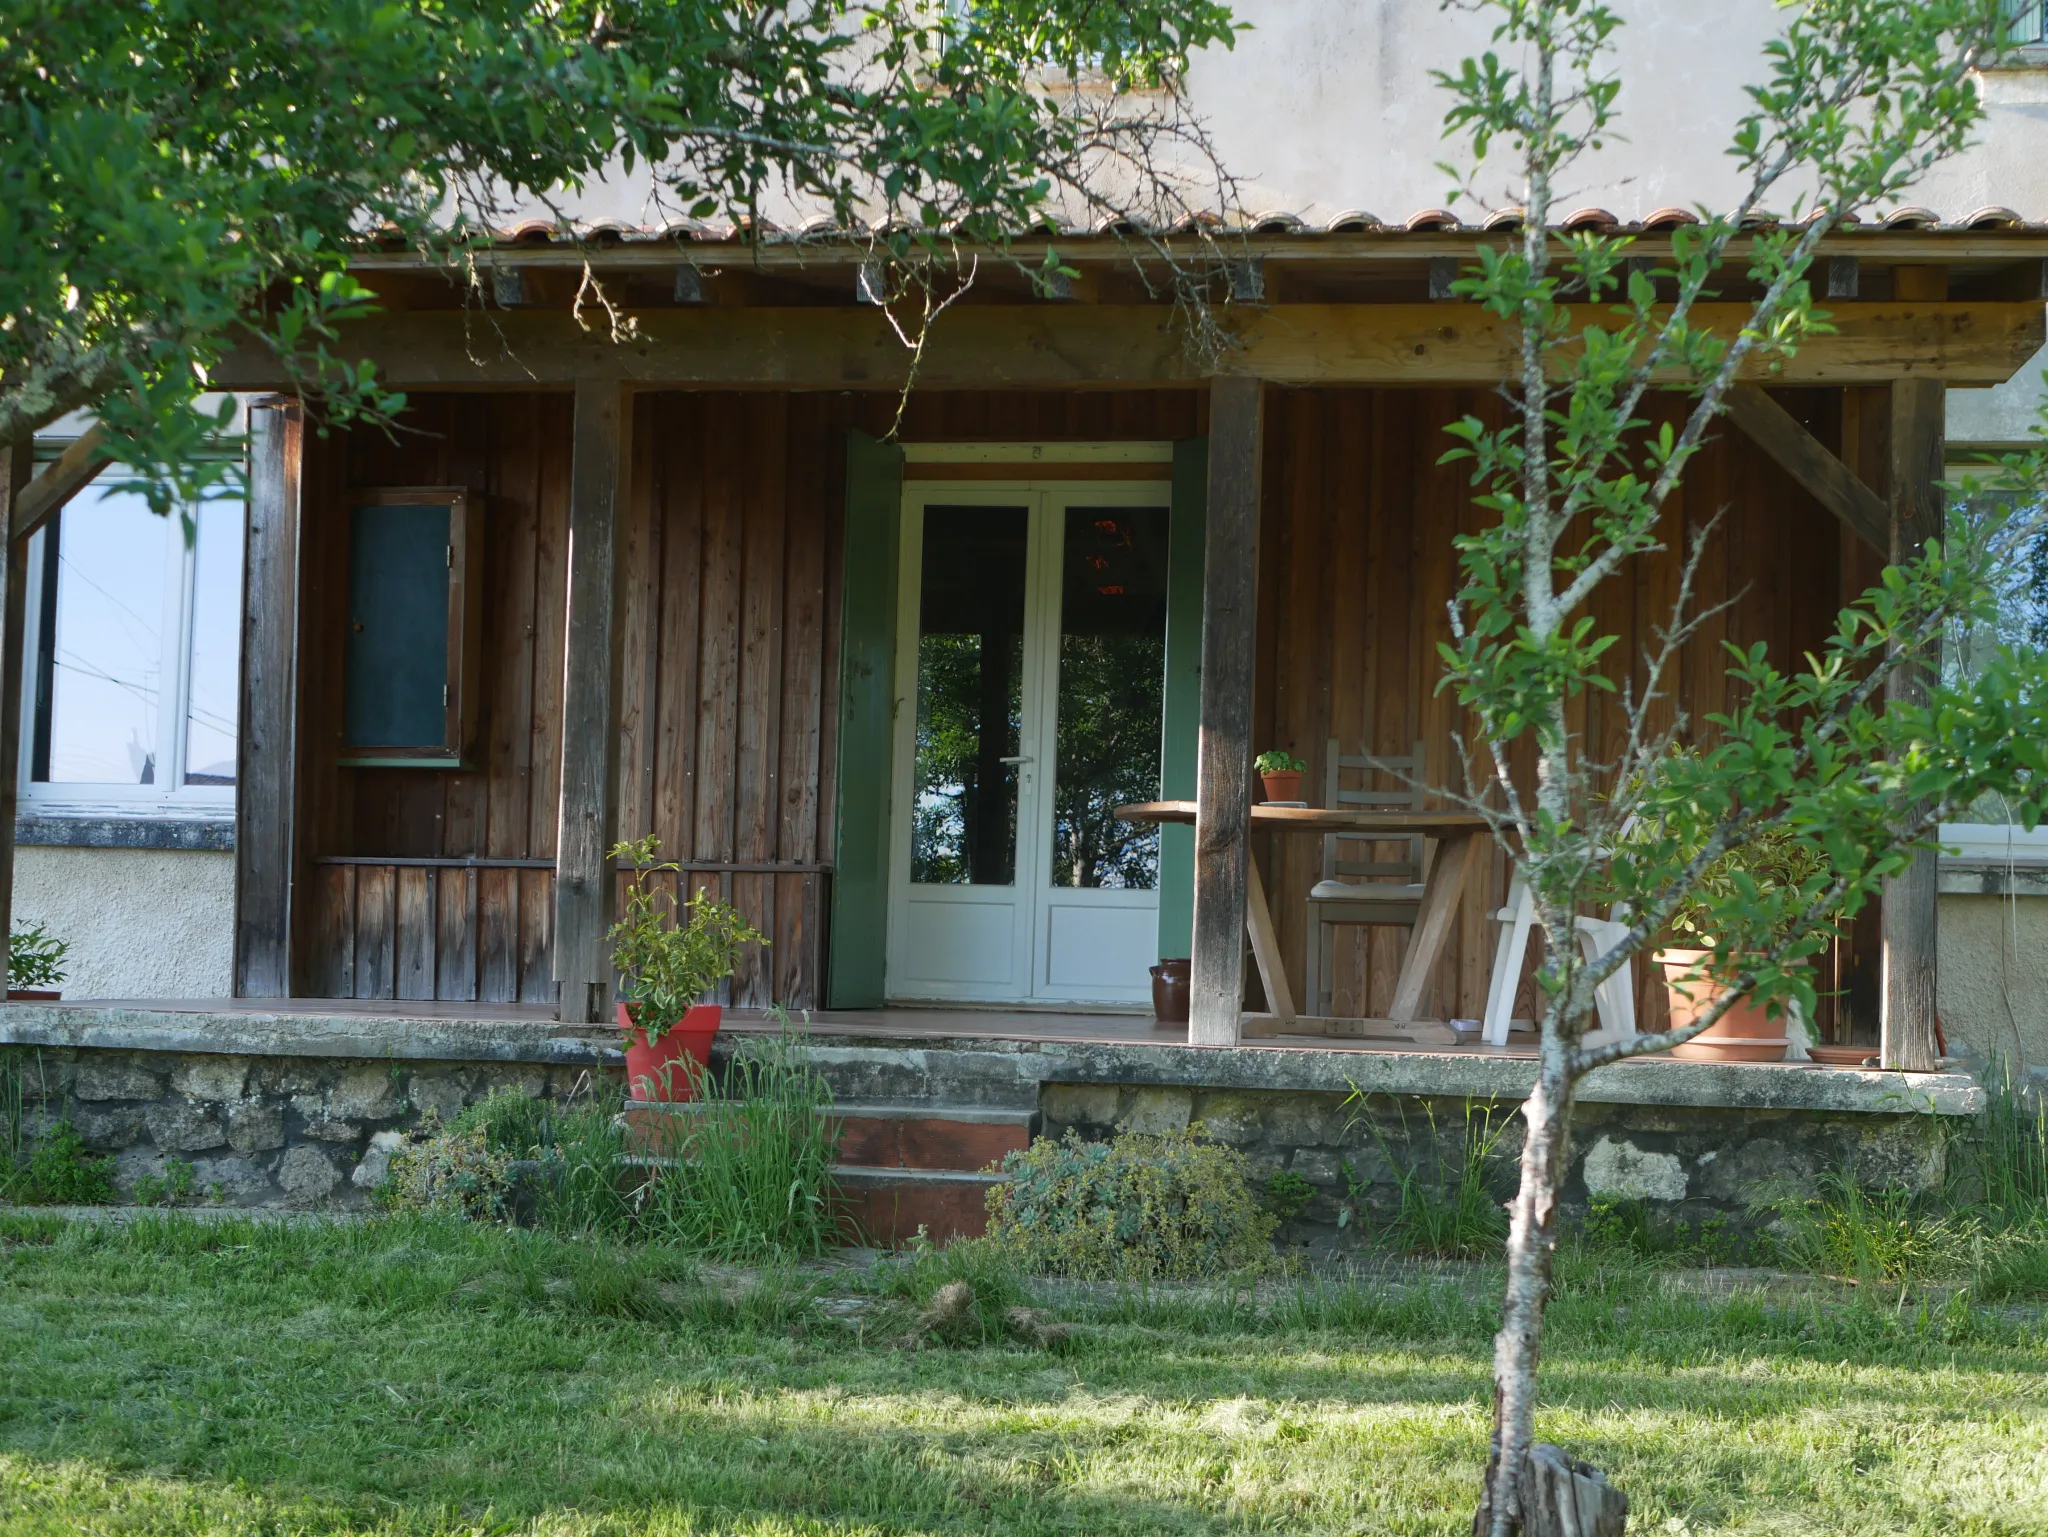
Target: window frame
(171,798)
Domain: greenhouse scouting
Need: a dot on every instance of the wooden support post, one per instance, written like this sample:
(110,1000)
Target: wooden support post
(1223,778)
(16,465)
(1910,904)
(266,753)
(585,885)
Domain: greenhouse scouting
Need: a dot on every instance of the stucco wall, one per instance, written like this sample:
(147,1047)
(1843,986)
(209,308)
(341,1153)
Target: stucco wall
(1994,976)
(142,923)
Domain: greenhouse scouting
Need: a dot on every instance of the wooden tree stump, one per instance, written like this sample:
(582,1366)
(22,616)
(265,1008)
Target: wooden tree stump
(1560,1496)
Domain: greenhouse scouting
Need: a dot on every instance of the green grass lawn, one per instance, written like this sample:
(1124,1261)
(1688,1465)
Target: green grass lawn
(401,1377)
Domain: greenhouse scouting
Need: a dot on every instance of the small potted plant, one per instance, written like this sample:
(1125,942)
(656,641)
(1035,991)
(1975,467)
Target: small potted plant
(665,968)
(1280,772)
(1769,865)
(35,964)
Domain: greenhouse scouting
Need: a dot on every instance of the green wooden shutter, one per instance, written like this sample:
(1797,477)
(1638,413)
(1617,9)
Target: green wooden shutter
(867,718)
(1181,729)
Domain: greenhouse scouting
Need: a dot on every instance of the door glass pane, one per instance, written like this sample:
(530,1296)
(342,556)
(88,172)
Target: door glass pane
(1112,695)
(970,695)
(216,645)
(106,657)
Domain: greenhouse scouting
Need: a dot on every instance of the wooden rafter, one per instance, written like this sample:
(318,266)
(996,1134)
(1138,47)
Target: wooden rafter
(72,472)
(1807,460)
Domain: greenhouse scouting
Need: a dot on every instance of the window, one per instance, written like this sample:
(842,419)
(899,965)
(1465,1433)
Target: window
(2026,21)
(135,623)
(1987,833)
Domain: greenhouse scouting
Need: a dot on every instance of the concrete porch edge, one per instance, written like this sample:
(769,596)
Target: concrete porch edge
(245,1032)
(1025,1065)
(990,1071)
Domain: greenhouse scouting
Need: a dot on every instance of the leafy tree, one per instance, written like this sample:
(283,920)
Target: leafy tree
(190,175)
(1845,766)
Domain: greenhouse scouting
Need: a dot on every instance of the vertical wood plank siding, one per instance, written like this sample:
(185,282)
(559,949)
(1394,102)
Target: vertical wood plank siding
(1358,565)
(730,653)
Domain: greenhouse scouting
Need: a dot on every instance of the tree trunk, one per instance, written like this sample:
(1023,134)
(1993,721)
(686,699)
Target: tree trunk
(1532,1236)
(1560,1496)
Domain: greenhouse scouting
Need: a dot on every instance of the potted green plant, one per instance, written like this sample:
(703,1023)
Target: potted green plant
(1694,967)
(665,968)
(35,964)
(1280,772)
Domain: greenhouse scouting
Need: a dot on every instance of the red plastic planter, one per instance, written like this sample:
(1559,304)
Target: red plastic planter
(655,1073)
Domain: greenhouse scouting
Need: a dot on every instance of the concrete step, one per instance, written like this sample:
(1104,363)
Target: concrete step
(887,1207)
(900,1167)
(922,1137)
(872,1136)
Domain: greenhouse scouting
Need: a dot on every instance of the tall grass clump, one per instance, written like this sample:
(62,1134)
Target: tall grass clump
(1445,1205)
(748,1173)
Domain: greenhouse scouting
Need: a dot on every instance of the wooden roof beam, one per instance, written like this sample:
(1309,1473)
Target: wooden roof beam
(1076,346)
(72,472)
(1806,459)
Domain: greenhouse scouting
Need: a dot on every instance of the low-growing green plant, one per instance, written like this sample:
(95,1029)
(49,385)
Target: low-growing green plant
(748,1171)
(1172,1206)
(2006,1152)
(1288,1195)
(58,1170)
(169,1188)
(1874,1235)
(1446,1207)
(1278,761)
(449,1174)
(34,958)
(1617,1223)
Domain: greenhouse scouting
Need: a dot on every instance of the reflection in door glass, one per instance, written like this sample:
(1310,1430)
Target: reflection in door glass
(1112,695)
(970,696)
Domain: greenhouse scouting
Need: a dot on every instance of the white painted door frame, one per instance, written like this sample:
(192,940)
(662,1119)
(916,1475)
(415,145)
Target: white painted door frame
(941,938)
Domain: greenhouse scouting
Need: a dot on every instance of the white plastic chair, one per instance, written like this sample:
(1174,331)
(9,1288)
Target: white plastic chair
(1615,999)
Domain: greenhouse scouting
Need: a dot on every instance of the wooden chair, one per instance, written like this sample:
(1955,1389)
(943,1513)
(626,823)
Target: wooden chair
(1358,889)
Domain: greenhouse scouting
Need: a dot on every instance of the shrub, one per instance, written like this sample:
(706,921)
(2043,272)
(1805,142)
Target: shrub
(1168,1207)
(453,1174)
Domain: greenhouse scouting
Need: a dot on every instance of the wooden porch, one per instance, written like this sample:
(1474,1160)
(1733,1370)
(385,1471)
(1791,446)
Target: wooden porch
(681,559)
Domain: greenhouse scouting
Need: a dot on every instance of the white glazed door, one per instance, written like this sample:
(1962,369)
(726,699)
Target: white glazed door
(1030,667)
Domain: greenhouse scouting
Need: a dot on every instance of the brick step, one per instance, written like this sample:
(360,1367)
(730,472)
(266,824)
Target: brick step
(893,1137)
(886,1207)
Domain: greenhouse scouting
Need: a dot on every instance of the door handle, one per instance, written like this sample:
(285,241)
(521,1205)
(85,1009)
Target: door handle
(1017,760)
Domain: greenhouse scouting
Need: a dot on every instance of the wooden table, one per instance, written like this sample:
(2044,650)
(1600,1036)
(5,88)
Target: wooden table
(1461,838)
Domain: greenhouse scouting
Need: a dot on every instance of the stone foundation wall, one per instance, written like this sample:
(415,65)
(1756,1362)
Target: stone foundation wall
(1683,1163)
(257,1130)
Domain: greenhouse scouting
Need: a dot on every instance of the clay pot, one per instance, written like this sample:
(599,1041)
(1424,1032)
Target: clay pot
(1171,981)
(1743,1034)
(32,995)
(656,1073)
(1284,785)
(1842,1056)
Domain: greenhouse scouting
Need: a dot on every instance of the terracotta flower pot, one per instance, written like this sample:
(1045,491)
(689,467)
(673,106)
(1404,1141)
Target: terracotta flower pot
(32,995)
(1744,1034)
(656,1073)
(1285,785)
(1171,985)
